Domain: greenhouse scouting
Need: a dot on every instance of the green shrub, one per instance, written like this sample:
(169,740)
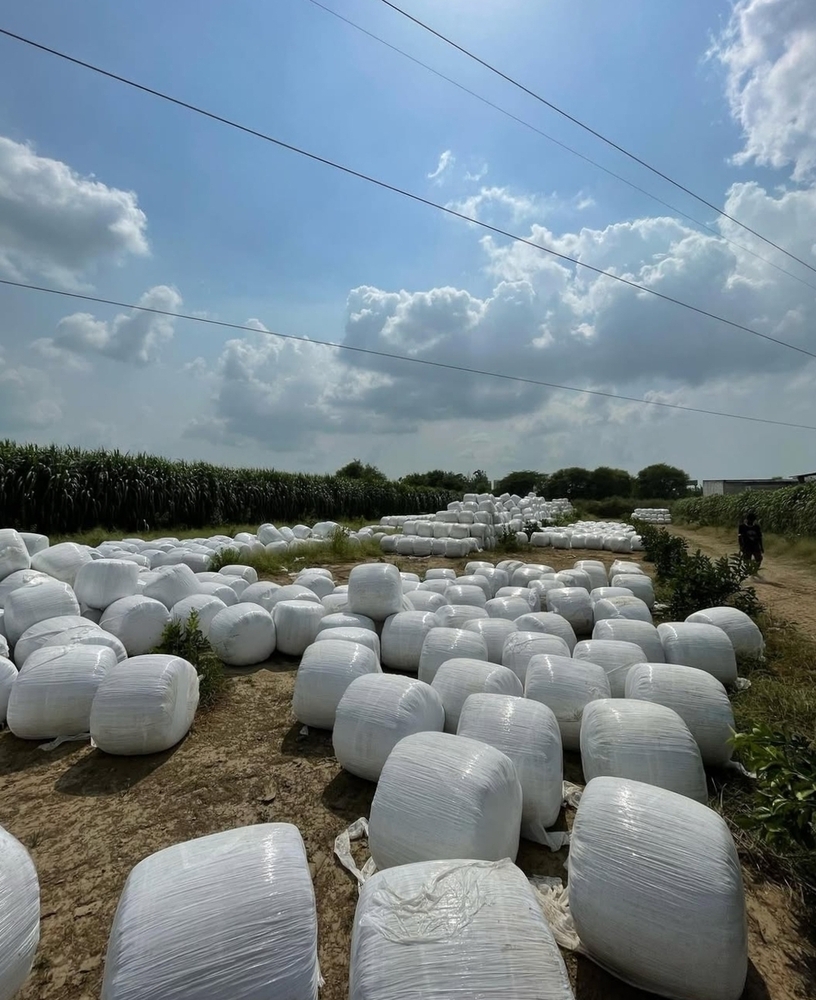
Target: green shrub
(788,511)
(226,557)
(185,639)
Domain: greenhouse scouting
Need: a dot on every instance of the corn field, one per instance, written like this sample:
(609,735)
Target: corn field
(788,511)
(63,490)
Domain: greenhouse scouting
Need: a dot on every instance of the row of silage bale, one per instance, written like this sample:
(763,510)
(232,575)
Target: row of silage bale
(652,515)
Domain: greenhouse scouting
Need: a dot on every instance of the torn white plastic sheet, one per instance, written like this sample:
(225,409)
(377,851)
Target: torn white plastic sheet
(358,830)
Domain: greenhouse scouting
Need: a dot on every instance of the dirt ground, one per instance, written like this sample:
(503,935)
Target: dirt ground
(88,818)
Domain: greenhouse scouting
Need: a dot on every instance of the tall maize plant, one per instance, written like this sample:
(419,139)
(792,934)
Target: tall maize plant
(61,490)
(788,511)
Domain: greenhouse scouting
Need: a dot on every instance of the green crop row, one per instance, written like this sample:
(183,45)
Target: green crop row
(789,511)
(64,490)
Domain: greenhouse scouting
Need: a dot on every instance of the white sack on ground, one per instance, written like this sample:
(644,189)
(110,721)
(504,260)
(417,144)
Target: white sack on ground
(459,678)
(548,623)
(145,705)
(325,672)
(527,731)
(88,635)
(137,621)
(8,675)
(375,713)
(655,891)
(204,605)
(572,603)
(62,562)
(444,796)
(614,656)
(470,928)
(566,686)
(19,914)
(37,602)
(52,695)
(229,915)
(297,624)
(744,634)
(403,636)
(98,584)
(442,644)
(494,631)
(695,644)
(520,647)
(697,697)
(362,636)
(623,738)
(242,635)
(171,584)
(643,634)
(375,590)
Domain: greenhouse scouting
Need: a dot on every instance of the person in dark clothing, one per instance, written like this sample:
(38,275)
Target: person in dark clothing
(750,539)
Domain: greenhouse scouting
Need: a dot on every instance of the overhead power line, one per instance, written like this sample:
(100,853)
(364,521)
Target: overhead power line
(594,132)
(419,199)
(396,357)
(558,142)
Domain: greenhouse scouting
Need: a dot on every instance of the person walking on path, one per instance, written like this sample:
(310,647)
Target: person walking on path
(750,540)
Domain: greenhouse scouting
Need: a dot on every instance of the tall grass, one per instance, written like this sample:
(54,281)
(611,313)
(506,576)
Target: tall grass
(790,511)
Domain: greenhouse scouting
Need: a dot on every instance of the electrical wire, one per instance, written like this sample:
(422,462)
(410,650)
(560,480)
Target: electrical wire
(396,357)
(419,199)
(558,142)
(593,132)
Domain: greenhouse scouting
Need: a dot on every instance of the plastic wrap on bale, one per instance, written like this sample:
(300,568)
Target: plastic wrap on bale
(138,622)
(36,636)
(642,741)
(362,636)
(574,604)
(457,929)
(655,891)
(548,623)
(444,796)
(18,579)
(566,686)
(402,639)
(455,615)
(375,713)
(494,631)
(37,602)
(696,644)
(19,915)
(297,624)
(8,675)
(459,678)
(527,731)
(640,585)
(375,590)
(621,607)
(204,605)
(616,657)
(520,647)
(744,634)
(242,635)
(98,584)
(62,561)
(88,635)
(642,634)
(229,915)
(325,672)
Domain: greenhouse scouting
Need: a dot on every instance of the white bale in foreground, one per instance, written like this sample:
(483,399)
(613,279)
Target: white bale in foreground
(493,942)
(52,695)
(697,697)
(616,657)
(566,686)
(443,796)
(403,636)
(37,602)
(88,635)
(325,672)
(459,678)
(494,631)
(18,579)
(520,647)
(643,634)
(362,636)
(62,562)
(624,738)
(695,644)
(19,914)
(632,850)
(548,623)
(527,731)
(137,621)
(297,624)
(572,603)
(8,675)
(242,635)
(375,590)
(744,634)
(375,712)
(98,584)
(144,705)
(38,635)
(229,915)
(14,556)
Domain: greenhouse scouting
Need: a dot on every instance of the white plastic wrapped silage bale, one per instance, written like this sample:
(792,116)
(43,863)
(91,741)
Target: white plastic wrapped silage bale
(344,619)
(34,542)
(424,600)
(248,573)
(643,634)
(744,634)
(37,602)
(261,594)
(632,608)
(600,593)
(616,657)
(219,590)
(98,584)
(242,635)
(14,555)
(642,741)
(595,570)
(494,631)
(574,578)
(229,915)
(548,623)
(16,580)
(695,644)
(325,672)
(137,621)
(532,597)
(19,914)
(442,644)
(145,705)
(316,582)
(53,693)
(473,596)
(8,675)
(62,562)
(574,604)
(403,636)
(375,590)
(507,608)
(520,647)
(88,635)
(697,697)
(624,566)
(171,584)
(632,850)
(292,592)
(527,731)
(38,635)
(375,713)
(205,607)
(460,677)
(297,624)
(363,636)
(470,928)
(565,686)
(443,796)
(640,585)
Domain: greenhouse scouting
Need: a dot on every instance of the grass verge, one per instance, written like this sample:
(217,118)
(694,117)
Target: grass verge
(798,550)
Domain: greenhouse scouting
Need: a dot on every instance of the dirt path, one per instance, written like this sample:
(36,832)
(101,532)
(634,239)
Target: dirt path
(786,588)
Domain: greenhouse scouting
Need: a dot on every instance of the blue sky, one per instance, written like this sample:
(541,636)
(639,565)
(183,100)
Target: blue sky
(238,229)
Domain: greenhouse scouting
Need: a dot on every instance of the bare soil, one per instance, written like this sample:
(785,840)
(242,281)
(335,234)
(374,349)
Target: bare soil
(88,818)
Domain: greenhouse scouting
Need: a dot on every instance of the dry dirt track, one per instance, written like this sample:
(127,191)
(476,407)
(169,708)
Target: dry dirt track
(89,818)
